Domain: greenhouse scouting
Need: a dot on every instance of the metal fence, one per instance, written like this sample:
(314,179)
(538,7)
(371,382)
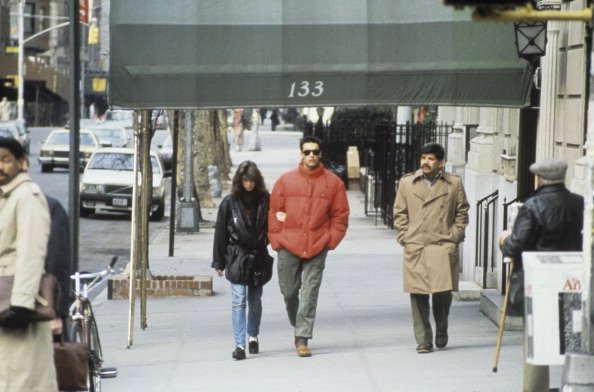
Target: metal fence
(387,149)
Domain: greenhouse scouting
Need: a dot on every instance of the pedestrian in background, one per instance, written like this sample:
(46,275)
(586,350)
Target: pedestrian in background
(58,263)
(5,109)
(550,220)
(238,128)
(240,252)
(430,215)
(57,259)
(263,112)
(27,354)
(309,215)
(274,119)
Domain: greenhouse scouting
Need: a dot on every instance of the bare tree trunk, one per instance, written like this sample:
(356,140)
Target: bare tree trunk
(181,138)
(203,154)
(222,155)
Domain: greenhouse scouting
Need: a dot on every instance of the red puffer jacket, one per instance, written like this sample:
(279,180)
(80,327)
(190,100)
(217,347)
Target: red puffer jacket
(316,208)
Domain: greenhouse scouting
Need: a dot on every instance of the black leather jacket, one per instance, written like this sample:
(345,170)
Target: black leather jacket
(237,240)
(550,220)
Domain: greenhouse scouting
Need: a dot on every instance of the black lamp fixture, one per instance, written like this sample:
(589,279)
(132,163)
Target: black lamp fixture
(531,39)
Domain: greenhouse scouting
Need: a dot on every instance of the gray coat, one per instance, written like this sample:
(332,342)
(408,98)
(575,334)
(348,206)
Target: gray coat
(27,359)
(430,223)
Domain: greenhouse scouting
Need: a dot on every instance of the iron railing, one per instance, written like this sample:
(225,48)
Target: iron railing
(485,234)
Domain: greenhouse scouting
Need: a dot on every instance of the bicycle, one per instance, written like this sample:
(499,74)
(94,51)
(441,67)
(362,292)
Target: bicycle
(83,326)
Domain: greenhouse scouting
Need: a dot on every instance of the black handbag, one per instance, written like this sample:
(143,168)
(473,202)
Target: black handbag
(516,291)
(46,302)
(262,271)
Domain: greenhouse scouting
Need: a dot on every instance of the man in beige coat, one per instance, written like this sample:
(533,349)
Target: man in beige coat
(27,357)
(430,215)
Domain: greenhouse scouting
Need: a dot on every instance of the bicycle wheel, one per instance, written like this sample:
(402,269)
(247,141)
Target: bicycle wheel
(88,333)
(95,355)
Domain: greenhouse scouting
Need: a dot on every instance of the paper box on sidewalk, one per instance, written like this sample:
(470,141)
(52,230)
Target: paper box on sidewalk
(353,168)
(546,275)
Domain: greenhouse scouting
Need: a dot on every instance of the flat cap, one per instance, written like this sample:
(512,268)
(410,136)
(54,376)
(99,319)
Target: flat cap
(13,146)
(549,169)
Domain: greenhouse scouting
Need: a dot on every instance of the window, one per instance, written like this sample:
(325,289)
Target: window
(29,20)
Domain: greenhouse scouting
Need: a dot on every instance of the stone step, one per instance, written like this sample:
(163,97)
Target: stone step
(468,291)
(492,305)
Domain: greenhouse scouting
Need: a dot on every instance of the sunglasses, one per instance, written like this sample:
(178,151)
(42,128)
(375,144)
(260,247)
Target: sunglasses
(307,152)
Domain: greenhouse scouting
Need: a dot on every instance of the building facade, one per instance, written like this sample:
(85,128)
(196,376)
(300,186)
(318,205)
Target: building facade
(503,142)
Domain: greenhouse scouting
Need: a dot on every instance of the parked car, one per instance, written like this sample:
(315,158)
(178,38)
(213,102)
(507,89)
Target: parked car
(108,179)
(56,149)
(19,132)
(166,152)
(109,135)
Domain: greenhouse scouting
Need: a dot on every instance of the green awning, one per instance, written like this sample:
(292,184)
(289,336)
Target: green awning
(228,53)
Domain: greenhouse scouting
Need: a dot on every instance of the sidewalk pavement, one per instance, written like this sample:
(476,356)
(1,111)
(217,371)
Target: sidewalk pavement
(363,338)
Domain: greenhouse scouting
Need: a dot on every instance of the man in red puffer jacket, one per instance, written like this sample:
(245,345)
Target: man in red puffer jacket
(308,215)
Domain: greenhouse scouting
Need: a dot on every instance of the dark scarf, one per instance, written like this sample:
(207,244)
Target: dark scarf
(250,204)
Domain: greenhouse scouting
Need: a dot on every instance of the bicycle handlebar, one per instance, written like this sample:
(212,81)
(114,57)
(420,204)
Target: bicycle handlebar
(88,275)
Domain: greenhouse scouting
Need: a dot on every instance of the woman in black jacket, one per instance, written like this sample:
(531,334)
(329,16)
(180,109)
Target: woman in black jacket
(240,252)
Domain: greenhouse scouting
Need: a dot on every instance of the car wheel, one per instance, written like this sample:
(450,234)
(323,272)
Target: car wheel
(47,168)
(159,213)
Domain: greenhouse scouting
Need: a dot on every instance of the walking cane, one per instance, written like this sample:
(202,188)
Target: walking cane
(503,314)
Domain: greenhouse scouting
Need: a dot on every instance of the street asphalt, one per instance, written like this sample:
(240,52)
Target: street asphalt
(363,338)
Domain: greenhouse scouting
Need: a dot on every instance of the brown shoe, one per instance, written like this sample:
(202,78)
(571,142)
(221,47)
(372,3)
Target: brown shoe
(303,351)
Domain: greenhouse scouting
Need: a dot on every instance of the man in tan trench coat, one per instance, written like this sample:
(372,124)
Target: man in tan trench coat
(430,215)
(26,350)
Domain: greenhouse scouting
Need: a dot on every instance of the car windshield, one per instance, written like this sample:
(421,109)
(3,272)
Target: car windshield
(5,132)
(109,134)
(117,161)
(64,138)
(120,115)
(58,138)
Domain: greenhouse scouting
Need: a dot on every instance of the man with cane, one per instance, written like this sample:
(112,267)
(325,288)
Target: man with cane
(550,220)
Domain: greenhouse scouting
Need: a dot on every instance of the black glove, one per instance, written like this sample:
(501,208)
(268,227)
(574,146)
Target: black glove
(15,317)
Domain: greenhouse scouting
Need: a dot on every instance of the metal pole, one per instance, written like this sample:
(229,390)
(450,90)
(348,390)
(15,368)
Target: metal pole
(21,81)
(134,238)
(175,133)
(74,153)
(83,51)
(188,210)
(189,172)
(146,187)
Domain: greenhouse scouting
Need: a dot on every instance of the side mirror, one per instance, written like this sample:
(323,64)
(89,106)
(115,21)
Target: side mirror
(105,143)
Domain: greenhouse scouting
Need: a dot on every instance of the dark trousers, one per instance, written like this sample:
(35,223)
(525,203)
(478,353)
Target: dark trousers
(441,303)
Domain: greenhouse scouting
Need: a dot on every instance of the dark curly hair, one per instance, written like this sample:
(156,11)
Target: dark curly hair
(310,139)
(247,170)
(435,149)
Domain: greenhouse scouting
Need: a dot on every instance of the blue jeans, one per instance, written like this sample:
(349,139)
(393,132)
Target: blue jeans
(253,296)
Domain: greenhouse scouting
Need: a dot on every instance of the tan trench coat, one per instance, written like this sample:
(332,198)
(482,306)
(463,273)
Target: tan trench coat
(26,357)
(430,223)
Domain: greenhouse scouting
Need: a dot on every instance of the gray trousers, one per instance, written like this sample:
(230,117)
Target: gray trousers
(420,314)
(300,281)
